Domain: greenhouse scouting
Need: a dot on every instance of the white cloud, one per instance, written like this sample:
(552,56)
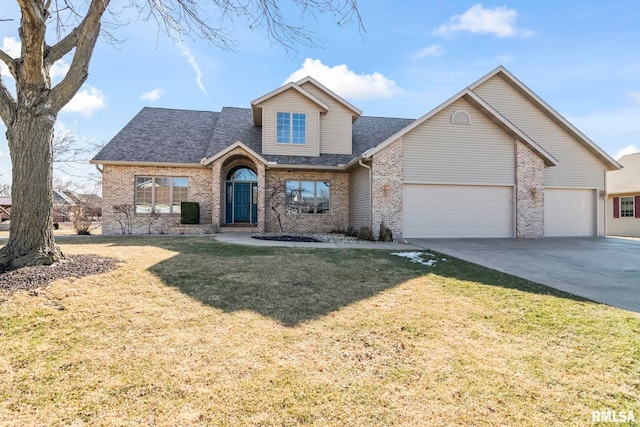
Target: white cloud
(12,47)
(499,21)
(59,69)
(432,51)
(635,96)
(86,101)
(152,95)
(629,149)
(345,82)
(191,60)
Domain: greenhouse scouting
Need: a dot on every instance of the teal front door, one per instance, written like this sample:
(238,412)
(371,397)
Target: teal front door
(242,205)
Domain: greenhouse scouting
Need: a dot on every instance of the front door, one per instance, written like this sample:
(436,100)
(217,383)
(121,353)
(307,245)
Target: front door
(242,205)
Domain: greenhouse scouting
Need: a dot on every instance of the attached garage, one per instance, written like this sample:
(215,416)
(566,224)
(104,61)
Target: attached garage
(569,212)
(457,211)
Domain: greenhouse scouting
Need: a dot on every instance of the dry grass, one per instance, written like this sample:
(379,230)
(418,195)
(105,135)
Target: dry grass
(192,332)
(65,229)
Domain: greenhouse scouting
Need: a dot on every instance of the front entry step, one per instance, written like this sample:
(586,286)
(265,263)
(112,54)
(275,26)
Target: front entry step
(234,228)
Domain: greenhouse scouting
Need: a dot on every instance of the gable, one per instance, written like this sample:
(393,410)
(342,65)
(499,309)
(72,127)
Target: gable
(578,165)
(291,101)
(627,179)
(335,125)
(439,151)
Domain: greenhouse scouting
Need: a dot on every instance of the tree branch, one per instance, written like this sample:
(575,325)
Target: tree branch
(7,105)
(4,56)
(60,49)
(87,35)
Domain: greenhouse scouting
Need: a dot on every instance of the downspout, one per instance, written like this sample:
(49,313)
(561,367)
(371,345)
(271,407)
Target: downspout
(370,193)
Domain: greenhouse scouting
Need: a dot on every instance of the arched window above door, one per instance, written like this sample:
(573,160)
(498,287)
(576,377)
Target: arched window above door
(242,173)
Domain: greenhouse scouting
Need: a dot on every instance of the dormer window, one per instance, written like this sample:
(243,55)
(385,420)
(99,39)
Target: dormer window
(291,128)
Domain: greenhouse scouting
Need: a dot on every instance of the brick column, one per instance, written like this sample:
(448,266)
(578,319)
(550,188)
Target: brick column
(387,189)
(529,193)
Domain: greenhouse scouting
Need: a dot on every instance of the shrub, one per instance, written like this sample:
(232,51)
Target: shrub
(386,235)
(365,233)
(189,213)
(81,225)
(351,232)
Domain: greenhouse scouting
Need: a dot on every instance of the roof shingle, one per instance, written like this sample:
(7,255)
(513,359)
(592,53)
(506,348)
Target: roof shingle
(161,135)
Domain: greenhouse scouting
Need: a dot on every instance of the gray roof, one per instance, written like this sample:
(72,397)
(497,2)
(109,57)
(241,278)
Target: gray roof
(161,135)
(627,179)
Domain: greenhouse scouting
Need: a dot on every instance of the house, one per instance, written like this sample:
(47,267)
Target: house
(67,204)
(623,199)
(492,161)
(5,208)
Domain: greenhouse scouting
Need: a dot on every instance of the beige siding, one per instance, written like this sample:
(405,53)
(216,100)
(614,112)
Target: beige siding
(359,198)
(335,125)
(621,226)
(440,152)
(577,166)
(293,102)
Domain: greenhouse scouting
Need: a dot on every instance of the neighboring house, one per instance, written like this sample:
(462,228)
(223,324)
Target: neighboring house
(623,200)
(493,161)
(67,204)
(5,208)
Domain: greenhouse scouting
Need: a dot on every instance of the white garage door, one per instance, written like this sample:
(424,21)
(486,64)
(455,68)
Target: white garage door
(569,212)
(457,211)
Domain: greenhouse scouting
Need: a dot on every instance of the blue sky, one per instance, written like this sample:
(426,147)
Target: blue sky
(581,57)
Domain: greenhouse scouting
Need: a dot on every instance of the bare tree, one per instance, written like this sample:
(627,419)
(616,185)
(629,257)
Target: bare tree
(5,190)
(123,215)
(275,192)
(30,115)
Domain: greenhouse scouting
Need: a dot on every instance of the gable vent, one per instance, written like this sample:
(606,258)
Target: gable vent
(460,117)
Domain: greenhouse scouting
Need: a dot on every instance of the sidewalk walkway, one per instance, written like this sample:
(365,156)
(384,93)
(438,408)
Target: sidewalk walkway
(245,239)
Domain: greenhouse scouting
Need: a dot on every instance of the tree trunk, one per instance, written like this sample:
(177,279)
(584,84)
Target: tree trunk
(31,233)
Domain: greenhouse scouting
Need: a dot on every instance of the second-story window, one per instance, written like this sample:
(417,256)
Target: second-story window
(291,128)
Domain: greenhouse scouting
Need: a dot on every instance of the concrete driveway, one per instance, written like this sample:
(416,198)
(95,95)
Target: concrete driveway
(605,269)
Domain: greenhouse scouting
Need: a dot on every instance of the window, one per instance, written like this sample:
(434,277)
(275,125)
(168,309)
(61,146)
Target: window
(242,173)
(307,197)
(626,207)
(160,194)
(291,128)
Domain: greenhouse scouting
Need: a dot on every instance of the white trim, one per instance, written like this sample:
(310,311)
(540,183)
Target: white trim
(460,112)
(546,156)
(208,160)
(291,85)
(328,91)
(613,164)
(465,184)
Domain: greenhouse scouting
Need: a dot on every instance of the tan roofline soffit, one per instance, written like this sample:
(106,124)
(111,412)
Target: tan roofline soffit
(208,160)
(339,168)
(146,164)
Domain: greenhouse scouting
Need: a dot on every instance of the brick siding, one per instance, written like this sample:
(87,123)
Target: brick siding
(387,189)
(529,193)
(336,219)
(118,187)
(220,168)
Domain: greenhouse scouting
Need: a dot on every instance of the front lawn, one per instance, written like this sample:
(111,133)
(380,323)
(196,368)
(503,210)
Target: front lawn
(188,331)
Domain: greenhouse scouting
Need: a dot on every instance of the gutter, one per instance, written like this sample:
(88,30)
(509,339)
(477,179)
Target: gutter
(370,192)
